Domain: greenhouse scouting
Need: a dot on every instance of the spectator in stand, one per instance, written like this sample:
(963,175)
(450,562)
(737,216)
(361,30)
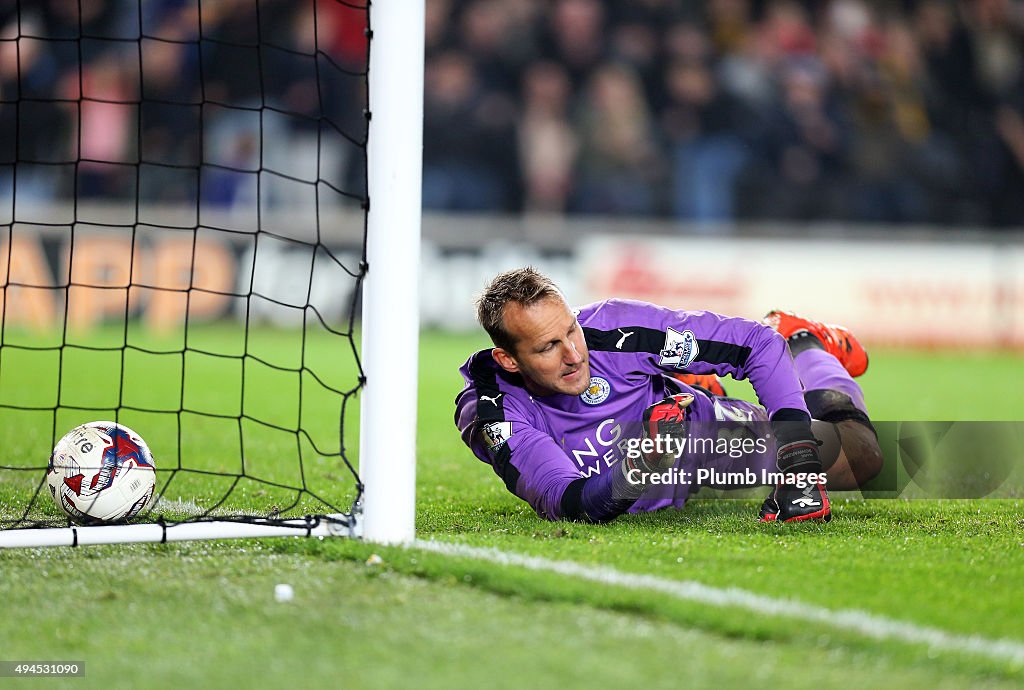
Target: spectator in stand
(437,21)
(29,71)
(468,141)
(105,131)
(1009,207)
(547,142)
(169,113)
(619,164)
(784,34)
(705,128)
(576,37)
(805,144)
(904,166)
(740,71)
(495,43)
(635,41)
(996,29)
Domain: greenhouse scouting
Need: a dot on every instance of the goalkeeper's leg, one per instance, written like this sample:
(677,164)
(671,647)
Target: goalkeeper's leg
(849,453)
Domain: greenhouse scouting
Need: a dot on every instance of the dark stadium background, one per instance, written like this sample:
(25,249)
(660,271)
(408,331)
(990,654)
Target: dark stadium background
(850,110)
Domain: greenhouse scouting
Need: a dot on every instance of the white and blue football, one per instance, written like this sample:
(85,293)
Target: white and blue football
(101,472)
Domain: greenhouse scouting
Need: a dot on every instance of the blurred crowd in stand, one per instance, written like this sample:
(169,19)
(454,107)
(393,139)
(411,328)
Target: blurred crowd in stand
(892,111)
(182,101)
(897,112)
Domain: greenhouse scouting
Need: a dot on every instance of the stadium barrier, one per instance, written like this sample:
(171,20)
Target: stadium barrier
(915,287)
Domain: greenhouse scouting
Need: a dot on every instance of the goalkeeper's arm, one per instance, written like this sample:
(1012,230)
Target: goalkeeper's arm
(608,495)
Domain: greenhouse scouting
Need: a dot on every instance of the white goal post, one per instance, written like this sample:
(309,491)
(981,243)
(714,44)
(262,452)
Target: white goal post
(390,319)
(391,322)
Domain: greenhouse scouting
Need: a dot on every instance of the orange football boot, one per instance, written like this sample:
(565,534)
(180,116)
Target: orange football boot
(838,341)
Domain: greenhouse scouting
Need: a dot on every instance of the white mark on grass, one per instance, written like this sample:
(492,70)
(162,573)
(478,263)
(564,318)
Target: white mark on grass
(283,592)
(851,620)
(177,505)
(190,508)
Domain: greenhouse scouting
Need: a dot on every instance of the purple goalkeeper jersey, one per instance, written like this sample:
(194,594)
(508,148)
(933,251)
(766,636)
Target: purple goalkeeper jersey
(540,445)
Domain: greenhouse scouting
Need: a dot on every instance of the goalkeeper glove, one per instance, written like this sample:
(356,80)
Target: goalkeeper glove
(663,419)
(797,501)
(790,503)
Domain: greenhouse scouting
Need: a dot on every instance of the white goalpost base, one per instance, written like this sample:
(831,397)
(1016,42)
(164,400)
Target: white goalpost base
(318,526)
(390,324)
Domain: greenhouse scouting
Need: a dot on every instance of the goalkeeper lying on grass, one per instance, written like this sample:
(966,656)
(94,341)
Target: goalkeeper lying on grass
(616,407)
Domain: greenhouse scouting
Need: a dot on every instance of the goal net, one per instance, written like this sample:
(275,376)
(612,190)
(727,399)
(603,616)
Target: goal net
(183,213)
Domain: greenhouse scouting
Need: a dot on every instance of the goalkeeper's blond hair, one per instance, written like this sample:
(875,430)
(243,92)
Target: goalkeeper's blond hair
(524,286)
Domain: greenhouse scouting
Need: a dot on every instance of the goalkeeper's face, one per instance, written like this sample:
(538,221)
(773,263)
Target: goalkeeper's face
(550,352)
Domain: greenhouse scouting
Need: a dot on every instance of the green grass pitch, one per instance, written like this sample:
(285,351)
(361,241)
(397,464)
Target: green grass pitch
(204,614)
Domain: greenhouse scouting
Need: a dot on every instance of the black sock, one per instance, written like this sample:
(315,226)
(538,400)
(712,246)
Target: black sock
(803,340)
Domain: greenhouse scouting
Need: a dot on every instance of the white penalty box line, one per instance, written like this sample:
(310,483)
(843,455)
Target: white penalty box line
(849,620)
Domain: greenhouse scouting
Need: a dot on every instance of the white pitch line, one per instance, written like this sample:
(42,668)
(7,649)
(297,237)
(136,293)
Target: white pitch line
(852,620)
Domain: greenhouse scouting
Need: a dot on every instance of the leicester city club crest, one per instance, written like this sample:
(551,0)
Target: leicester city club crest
(597,392)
